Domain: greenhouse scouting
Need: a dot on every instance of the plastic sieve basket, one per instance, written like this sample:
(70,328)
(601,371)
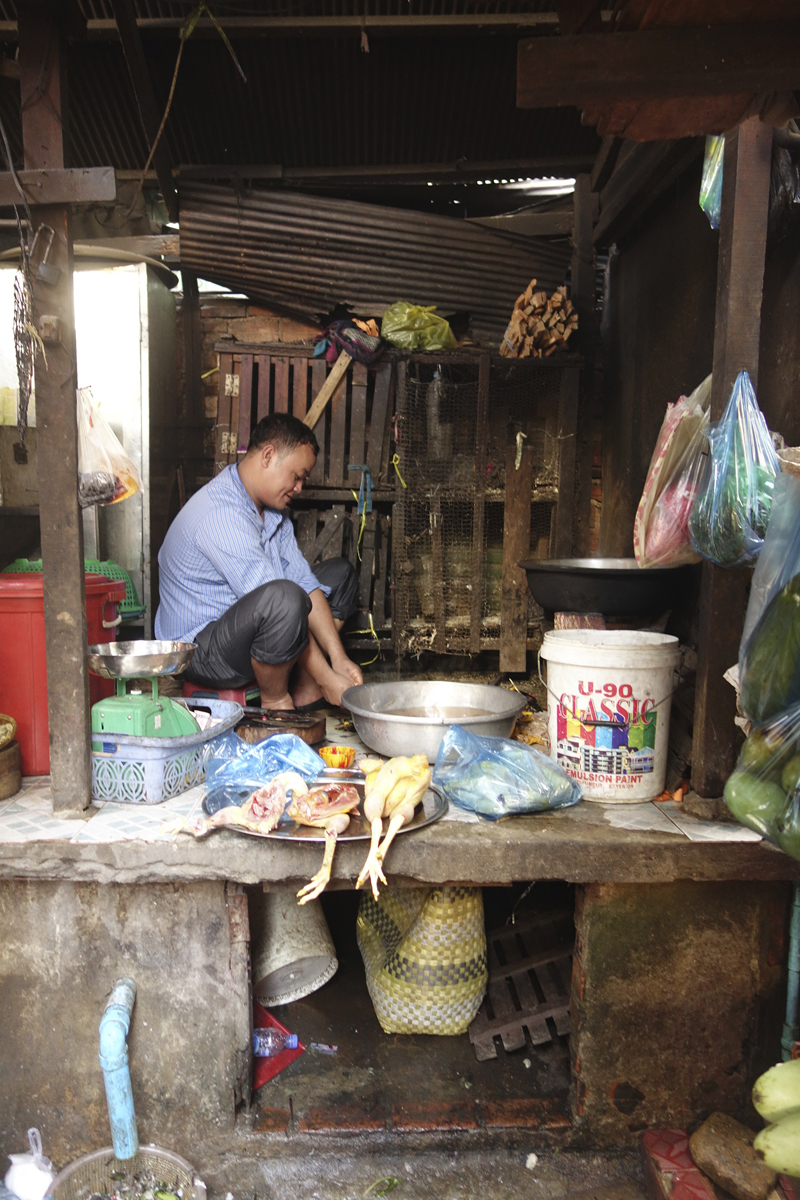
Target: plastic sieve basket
(100,1173)
(609,695)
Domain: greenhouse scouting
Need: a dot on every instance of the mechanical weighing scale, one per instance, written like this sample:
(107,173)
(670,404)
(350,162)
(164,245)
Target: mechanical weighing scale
(135,713)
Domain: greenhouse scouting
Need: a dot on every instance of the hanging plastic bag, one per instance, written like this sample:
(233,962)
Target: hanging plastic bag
(711,181)
(412,327)
(30,1175)
(495,777)
(661,527)
(106,474)
(237,767)
(764,790)
(769,654)
(730,515)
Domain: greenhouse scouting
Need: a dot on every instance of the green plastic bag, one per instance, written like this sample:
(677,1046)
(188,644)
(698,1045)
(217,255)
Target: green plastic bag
(412,327)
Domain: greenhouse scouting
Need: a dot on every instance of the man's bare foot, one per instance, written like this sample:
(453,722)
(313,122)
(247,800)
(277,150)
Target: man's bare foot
(304,687)
(281,704)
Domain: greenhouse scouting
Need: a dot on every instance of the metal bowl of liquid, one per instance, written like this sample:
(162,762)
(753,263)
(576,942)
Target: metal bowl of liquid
(412,717)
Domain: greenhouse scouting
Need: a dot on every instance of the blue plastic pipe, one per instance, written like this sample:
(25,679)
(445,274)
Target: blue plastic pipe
(791,1029)
(114,1060)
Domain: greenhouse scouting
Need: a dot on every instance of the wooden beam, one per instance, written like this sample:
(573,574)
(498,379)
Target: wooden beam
(653,64)
(125,14)
(579,16)
(740,276)
(546,224)
(639,180)
(463,171)
(42,60)
(82,185)
(157,245)
(605,162)
(260,24)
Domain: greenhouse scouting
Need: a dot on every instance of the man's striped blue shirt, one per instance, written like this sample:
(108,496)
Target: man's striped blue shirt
(218,549)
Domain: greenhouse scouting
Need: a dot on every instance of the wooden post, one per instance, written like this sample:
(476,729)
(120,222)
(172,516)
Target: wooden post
(740,276)
(582,275)
(192,414)
(42,60)
(516,547)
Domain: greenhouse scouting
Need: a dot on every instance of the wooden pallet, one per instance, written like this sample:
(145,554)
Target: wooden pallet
(530,969)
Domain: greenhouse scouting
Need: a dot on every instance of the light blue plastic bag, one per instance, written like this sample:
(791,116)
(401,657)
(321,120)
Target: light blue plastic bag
(238,764)
(496,777)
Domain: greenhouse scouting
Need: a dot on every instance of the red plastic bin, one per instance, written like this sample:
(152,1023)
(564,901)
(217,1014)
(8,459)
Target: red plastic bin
(23,664)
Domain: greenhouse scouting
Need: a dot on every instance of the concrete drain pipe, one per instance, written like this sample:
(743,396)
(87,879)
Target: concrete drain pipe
(114,1028)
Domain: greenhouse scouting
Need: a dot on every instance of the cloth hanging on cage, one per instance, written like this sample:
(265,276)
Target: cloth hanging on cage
(365,490)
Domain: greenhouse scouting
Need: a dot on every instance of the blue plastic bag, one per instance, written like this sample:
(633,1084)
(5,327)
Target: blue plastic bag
(239,764)
(731,511)
(496,777)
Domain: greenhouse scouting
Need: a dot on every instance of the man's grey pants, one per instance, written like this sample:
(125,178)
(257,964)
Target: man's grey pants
(269,624)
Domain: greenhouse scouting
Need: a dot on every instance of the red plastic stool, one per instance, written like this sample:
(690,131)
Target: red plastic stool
(248,696)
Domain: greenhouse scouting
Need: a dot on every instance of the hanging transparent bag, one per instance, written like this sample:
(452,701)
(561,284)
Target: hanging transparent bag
(711,181)
(730,514)
(769,654)
(661,527)
(106,474)
(764,790)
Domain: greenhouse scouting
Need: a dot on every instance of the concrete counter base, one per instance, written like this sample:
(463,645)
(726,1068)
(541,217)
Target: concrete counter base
(575,844)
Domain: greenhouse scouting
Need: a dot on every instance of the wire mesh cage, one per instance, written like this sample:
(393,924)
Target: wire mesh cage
(454,446)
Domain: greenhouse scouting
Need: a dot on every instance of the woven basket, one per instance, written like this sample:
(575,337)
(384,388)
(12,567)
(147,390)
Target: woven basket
(424,951)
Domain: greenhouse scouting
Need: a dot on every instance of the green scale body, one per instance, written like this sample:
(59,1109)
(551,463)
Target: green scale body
(138,715)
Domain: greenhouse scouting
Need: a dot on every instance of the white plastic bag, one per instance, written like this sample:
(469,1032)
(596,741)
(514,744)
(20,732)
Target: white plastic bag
(30,1175)
(661,528)
(105,473)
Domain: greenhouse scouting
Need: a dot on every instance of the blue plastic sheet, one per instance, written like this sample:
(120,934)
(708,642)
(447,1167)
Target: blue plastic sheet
(495,777)
(730,514)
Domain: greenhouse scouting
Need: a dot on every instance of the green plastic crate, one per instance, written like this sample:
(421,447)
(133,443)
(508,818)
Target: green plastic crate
(130,608)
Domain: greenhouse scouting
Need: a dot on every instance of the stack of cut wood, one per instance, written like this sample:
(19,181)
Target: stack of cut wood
(539,326)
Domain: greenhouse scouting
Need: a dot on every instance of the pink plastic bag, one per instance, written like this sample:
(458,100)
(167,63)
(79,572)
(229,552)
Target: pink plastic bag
(661,528)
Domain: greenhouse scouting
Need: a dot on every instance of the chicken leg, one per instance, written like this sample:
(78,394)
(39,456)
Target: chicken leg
(326,807)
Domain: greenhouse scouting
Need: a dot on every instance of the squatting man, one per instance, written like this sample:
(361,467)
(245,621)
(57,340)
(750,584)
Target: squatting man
(232,580)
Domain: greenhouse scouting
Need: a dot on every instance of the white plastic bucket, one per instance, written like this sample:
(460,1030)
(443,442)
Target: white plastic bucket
(609,695)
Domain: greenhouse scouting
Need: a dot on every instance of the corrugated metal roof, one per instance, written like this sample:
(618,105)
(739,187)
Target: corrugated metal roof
(306,254)
(313,101)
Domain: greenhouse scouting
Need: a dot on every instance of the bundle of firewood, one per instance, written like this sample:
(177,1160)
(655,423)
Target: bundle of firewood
(539,326)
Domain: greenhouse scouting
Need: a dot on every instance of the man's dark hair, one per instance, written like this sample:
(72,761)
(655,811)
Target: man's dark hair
(283,432)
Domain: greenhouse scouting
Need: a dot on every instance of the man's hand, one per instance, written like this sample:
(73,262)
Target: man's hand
(351,671)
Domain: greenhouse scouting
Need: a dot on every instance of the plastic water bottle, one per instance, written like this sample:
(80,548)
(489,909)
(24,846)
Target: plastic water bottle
(269,1042)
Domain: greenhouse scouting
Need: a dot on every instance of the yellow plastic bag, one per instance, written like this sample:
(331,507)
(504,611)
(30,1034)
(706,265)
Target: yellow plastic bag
(106,474)
(412,327)
(424,951)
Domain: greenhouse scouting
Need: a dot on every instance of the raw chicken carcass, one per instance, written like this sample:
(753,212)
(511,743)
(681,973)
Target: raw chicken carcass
(394,791)
(259,814)
(327,807)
